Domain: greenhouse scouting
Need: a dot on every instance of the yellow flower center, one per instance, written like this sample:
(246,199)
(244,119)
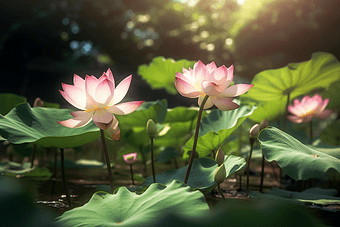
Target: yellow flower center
(309,113)
(96,108)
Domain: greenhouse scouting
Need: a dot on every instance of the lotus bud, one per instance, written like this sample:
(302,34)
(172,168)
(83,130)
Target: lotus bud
(38,102)
(219,157)
(151,129)
(220,174)
(130,158)
(264,124)
(254,131)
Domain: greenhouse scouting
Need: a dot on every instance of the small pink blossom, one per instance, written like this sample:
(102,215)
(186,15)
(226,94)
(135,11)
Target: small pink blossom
(130,158)
(97,99)
(308,107)
(209,80)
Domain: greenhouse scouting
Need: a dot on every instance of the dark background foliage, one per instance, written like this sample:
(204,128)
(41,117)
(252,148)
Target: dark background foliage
(43,43)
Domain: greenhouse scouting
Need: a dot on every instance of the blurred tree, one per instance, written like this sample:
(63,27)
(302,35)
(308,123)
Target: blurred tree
(43,42)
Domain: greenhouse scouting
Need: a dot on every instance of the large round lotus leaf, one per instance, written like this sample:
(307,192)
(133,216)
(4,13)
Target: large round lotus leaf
(333,92)
(201,174)
(255,212)
(180,122)
(215,128)
(311,195)
(297,78)
(161,72)
(271,86)
(129,209)
(296,159)
(38,125)
(9,101)
(148,110)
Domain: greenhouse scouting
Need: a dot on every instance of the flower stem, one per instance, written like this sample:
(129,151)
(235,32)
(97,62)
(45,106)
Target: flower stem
(220,191)
(251,141)
(262,174)
(54,176)
(107,159)
(152,162)
(195,139)
(33,155)
(133,182)
(284,125)
(286,113)
(64,177)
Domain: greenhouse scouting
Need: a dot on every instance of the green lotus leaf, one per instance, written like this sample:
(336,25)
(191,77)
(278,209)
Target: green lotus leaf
(271,110)
(272,86)
(161,72)
(331,134)
(215,128)
(9,101)
(38,125)
(202,172)
(15,168)
(296,159)
(129,209)
(79,164)
(167,154)
(148,110)
(332,93)
(179,123)
(312,195)
(255,212)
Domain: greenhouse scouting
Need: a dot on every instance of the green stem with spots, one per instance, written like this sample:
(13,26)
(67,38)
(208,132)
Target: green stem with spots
(64,177)
(191,160)
(262,174)
(133,182)
(152,163)
(106,153)
(251,141)
(33,155)
(220,191)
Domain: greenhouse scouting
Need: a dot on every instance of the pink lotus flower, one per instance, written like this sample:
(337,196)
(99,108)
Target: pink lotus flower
(98,98)
(209,80)
(308,107)
(130,158)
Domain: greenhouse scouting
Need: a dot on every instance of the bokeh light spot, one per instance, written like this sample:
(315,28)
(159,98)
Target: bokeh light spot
(228,41)
(64,36)
(74,44)
(66,21)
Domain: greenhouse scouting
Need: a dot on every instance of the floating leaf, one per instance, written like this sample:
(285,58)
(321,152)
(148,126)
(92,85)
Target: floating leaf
(215,128)
(38,125)
(166,155)
(312,195)
(161,72)
(9,101)
(80,164)
(201,174)
(272,86)
(296,159)
(129,209)
(15,168)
